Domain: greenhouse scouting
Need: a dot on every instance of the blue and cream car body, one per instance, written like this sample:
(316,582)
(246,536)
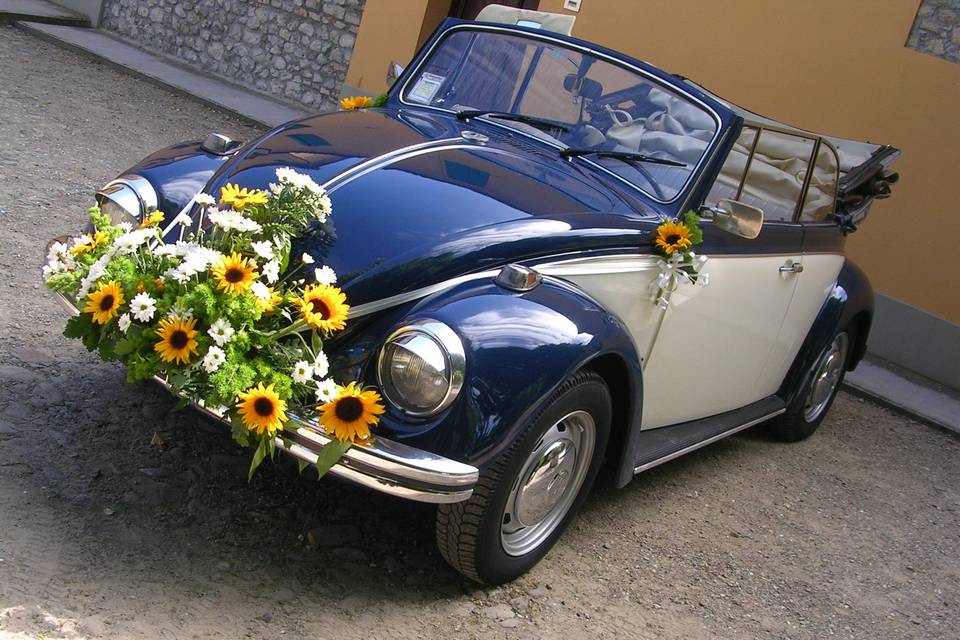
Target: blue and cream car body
(491,268)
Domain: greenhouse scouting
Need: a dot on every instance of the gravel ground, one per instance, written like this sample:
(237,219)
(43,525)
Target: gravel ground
(122,518)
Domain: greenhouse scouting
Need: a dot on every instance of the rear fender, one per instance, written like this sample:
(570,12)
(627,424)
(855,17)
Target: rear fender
(849,306)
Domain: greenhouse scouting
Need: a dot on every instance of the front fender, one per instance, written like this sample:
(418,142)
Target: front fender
(520,347)
(177,173)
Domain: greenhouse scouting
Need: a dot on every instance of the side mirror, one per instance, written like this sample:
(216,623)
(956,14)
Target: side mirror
(735,217)
(393,72)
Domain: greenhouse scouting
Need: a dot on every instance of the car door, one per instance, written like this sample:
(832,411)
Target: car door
(726,345)
(715,343)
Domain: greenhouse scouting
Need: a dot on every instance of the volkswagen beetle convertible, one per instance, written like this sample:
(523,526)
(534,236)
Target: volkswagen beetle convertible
(495,236)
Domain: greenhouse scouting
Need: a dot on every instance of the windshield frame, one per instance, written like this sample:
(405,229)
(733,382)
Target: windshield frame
(677,89)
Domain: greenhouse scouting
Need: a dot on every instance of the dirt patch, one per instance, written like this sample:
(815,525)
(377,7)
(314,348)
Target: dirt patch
(122,518)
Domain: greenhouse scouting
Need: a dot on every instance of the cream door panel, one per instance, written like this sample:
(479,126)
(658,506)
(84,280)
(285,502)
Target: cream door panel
(813,285)
(714,340)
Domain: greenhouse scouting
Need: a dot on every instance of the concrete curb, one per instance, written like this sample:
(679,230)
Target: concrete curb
(906,394)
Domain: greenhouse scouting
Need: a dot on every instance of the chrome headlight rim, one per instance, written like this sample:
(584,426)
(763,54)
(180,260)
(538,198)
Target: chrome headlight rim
(454,357)
(132,193)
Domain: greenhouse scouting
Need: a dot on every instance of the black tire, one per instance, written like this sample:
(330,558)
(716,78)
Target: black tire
(469,533)
(804,416)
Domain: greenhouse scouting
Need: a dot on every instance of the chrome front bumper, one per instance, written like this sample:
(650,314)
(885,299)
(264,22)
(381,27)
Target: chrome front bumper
(387,466)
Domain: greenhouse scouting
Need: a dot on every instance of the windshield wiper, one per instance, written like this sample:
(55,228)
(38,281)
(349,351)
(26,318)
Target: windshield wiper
(540,123)
(626,156)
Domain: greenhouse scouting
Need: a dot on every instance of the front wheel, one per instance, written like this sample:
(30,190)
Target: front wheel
(527,497)
(816,397)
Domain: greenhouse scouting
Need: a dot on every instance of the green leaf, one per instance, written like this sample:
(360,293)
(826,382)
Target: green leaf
(125,346)
(238,430)
(78,326)
(330,455)
(316,343)
(302,464)
(258,456)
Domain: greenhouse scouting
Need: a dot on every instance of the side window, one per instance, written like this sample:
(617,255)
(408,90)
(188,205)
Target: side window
(727,184)
(769,172)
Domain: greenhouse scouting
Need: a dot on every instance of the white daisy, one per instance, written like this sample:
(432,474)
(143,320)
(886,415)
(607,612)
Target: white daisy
(129,242)
(271,271)
(302,372)
(196,258)
(204,200)
(221,331)
(183,219)
(263,248)
(143,307)
(97,270)
(227,219)
(214,358)
(260,290)
(326,390)
(325,275)
(307,258)
(181,274)
(125,226)
(59,252)
(124,322)
(321,366)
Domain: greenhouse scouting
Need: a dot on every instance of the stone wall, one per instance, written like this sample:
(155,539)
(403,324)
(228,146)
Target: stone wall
(295,49)
(936,29)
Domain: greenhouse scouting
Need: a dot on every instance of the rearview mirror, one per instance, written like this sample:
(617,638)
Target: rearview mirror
(735,217)
(393,72)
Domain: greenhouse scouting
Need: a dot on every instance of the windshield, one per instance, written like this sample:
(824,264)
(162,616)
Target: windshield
(601,106)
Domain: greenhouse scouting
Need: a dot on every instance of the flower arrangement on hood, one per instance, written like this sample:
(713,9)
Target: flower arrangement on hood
(675,240)
(221,314)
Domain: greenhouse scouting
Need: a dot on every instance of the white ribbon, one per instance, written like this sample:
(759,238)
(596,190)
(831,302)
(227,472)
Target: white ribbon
(674,271)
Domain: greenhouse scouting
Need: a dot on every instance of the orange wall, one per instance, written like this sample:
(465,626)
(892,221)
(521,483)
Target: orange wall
(835,67)
(391,30)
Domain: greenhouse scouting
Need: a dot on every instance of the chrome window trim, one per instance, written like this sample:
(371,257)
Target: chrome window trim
(616,62)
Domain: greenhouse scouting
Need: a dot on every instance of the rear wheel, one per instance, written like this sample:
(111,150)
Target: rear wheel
(524,500)
(821,387)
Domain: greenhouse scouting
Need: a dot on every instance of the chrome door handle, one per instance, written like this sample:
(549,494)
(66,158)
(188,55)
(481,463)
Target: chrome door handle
(792,267)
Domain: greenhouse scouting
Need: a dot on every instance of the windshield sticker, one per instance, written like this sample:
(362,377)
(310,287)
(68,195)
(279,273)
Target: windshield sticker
(425,88)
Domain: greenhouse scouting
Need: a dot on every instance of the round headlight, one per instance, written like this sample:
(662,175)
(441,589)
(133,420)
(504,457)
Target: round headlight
(127,199)
(421,367)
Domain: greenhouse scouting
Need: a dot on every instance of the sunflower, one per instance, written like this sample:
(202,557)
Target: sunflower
(234,273)
(673,236)
(152,220)
(104,302)
(267,305)
(177,340)
(323,307)
(356,102)
(262,410)
(348,415)
(239,198)
(94,241)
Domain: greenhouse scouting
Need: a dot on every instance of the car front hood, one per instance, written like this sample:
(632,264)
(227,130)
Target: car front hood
(416,202)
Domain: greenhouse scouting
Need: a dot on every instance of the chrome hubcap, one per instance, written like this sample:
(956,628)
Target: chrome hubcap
(826,377)
(548,483)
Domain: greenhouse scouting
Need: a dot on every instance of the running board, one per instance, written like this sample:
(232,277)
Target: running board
(666,443)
